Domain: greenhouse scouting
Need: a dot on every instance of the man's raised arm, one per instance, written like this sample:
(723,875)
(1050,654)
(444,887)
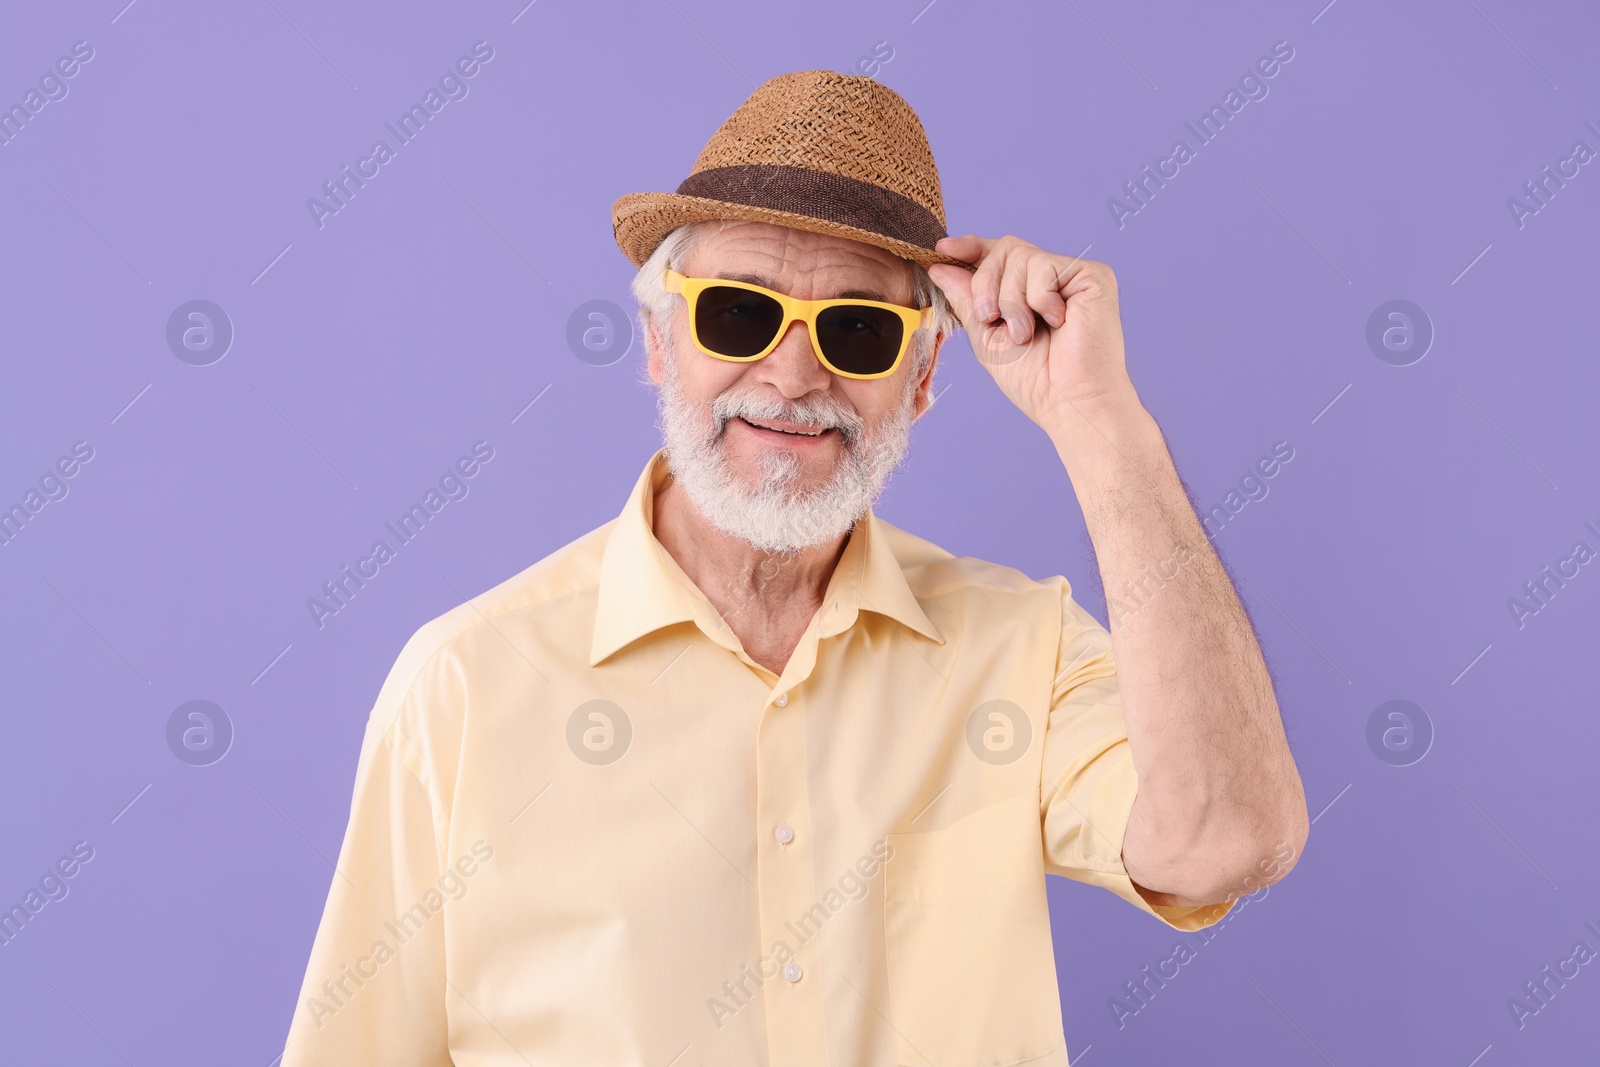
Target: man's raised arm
(1220,809)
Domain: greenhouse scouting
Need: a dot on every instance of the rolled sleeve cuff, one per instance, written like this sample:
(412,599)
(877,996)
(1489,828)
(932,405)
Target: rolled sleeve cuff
(1107,821)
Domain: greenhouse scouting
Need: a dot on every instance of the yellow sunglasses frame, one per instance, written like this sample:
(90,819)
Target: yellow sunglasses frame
(794,308)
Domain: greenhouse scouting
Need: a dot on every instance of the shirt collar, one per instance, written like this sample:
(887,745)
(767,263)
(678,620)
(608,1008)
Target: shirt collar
(642,588)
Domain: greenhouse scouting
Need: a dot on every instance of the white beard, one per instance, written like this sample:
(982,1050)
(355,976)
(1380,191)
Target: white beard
(773,515)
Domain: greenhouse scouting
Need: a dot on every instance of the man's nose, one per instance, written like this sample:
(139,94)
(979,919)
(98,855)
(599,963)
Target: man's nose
(793,367)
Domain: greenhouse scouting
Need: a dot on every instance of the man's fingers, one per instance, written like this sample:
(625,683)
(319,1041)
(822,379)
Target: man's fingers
(986,286)
(1043,296)
(986,341)
(957,287)
(969,247)
(1013,282)
(1014,298)
(1072,273)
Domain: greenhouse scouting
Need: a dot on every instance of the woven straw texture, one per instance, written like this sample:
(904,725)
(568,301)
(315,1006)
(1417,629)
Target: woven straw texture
(815,150)
(838,123)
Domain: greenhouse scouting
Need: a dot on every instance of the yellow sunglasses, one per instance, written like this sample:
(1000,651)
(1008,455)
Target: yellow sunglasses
(741,323)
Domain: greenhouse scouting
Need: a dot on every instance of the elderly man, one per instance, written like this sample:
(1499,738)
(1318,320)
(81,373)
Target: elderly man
(748,775)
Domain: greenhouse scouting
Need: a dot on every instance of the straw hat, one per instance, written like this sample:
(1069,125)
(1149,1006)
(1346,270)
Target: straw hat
(815,150)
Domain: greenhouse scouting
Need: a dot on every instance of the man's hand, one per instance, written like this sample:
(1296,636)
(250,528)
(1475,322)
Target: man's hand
(1046,326)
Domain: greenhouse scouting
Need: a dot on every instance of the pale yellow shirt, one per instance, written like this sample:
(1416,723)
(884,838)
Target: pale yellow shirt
(588,829)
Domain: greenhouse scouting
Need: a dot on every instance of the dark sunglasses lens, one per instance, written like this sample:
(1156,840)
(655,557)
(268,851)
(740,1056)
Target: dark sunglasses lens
(736,322)
(859,339)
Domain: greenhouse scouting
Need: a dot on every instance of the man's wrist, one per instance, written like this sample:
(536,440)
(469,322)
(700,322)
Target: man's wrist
(1098,436)
(1110,403)
(1121,472)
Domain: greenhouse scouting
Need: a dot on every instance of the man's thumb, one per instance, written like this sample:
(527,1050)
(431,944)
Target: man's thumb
(957,287)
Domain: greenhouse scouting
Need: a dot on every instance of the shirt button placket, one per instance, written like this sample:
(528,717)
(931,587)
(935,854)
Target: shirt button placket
(785,888)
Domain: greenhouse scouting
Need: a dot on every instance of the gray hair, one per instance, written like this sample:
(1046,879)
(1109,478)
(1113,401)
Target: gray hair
(656,305)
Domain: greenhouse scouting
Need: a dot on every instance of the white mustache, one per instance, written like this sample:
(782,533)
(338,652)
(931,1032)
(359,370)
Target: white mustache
(820,414)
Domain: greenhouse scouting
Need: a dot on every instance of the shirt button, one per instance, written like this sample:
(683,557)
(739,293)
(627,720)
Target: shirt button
(783,833)
(792,972)
(783,700)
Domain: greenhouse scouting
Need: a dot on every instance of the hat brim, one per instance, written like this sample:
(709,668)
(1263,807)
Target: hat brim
(641,220)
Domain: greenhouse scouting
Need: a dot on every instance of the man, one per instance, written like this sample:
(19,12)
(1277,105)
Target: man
(748,775)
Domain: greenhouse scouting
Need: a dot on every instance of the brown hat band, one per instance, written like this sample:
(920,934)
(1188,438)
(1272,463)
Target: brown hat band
(821,195)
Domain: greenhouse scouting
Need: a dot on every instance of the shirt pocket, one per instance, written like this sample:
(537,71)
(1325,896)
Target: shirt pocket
(972,977)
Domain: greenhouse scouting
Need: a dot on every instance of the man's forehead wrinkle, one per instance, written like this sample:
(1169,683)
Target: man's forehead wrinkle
(758,278)
(783,260)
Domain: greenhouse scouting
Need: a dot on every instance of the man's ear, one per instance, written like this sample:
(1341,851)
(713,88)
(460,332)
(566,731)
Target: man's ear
(924,393)
(655,343)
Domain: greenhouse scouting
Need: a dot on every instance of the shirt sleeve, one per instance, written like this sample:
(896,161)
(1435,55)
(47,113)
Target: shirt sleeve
(1087,779)
(374,989)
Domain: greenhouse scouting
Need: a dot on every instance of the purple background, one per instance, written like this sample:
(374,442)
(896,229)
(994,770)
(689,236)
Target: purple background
(431,310)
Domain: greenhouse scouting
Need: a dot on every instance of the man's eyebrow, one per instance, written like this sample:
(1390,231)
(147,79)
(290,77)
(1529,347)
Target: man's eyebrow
(767,283)
(741,276)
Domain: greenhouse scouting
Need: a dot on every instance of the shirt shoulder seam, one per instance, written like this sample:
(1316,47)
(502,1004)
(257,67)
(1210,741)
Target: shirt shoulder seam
(443,643)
